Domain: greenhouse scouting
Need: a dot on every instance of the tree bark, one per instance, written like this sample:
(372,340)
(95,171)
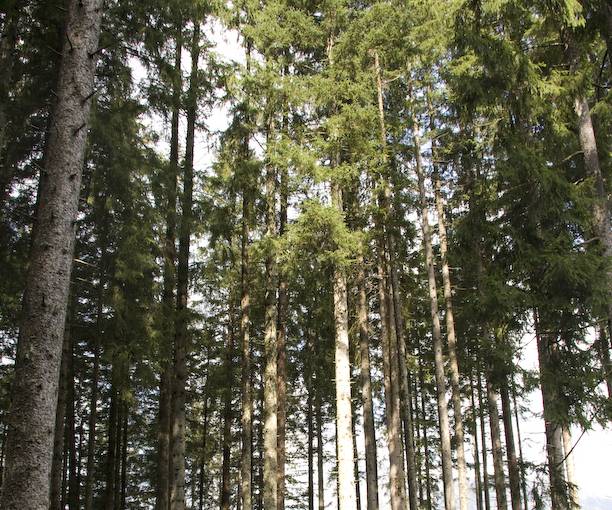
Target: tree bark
(177,490)
(270,431)
(346,473)
(227,415)
(29,448)
(476,450)
(445,444)
(574,500)
(283,301)
(520,448)
(514,476)
(164,461)
(366,392)
(483,434)
(452,342)
(498,461)
(320,473)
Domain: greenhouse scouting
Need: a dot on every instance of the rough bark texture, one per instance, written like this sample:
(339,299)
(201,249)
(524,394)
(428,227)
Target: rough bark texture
(270,430)
(246,420)
(29,449)
(344,440)
(164,472)
(447,475)
(453,363)
(177,489)
(283,302)
(366,392)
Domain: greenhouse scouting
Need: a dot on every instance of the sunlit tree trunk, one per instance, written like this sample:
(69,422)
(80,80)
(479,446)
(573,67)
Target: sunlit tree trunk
(29,446)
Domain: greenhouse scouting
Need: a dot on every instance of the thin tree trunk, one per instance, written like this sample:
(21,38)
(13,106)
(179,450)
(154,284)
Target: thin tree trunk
(445,443)
(283,300)
(554,439)
(227,415)
(498,460)
(520,446)
(177,491)
(57,469)
(366,392)
(310,429)
(29,450)
(483,433)
(246,460)
(320,473)
(514,476)
(452,341)
(164,461)
(270,431)
(569,468)
(124,456)
(344,440)
(71,432)
(425,440)
(476,450)
(111,459)
(201,478)
(397,479)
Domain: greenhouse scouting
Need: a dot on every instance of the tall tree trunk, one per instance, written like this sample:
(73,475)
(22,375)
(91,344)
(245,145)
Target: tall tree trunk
(270,487)
(366,391)
(283,300)
(514,476)
(310,421)
(520,448)
(111,455)
(574,500)
(452,341)
(201,477)
(397,479)
(246,421)
(29,450)
(124,456)
(476,450)
(445,443)
(95,376)
(164,462)
(496,444)
(71,432)
(550,397)
(57,469)
(177,491)
(344,439)
(227,415)
(425,440)
(320,460)
(483,437)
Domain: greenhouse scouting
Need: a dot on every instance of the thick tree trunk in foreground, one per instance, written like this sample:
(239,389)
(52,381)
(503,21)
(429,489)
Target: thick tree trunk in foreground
(164,471)
(447,475)
(366,392)
(29,449)
(177,490)
(568,445)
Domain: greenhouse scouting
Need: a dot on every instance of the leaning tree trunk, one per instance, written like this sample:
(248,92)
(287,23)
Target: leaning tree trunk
(177,490)
(164,471)
(445,443)
(29,449)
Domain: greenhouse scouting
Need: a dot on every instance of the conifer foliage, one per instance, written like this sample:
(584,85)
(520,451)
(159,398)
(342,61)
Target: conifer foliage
(281,254)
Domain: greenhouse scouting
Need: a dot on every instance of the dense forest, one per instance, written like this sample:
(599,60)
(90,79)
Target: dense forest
(324,299)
